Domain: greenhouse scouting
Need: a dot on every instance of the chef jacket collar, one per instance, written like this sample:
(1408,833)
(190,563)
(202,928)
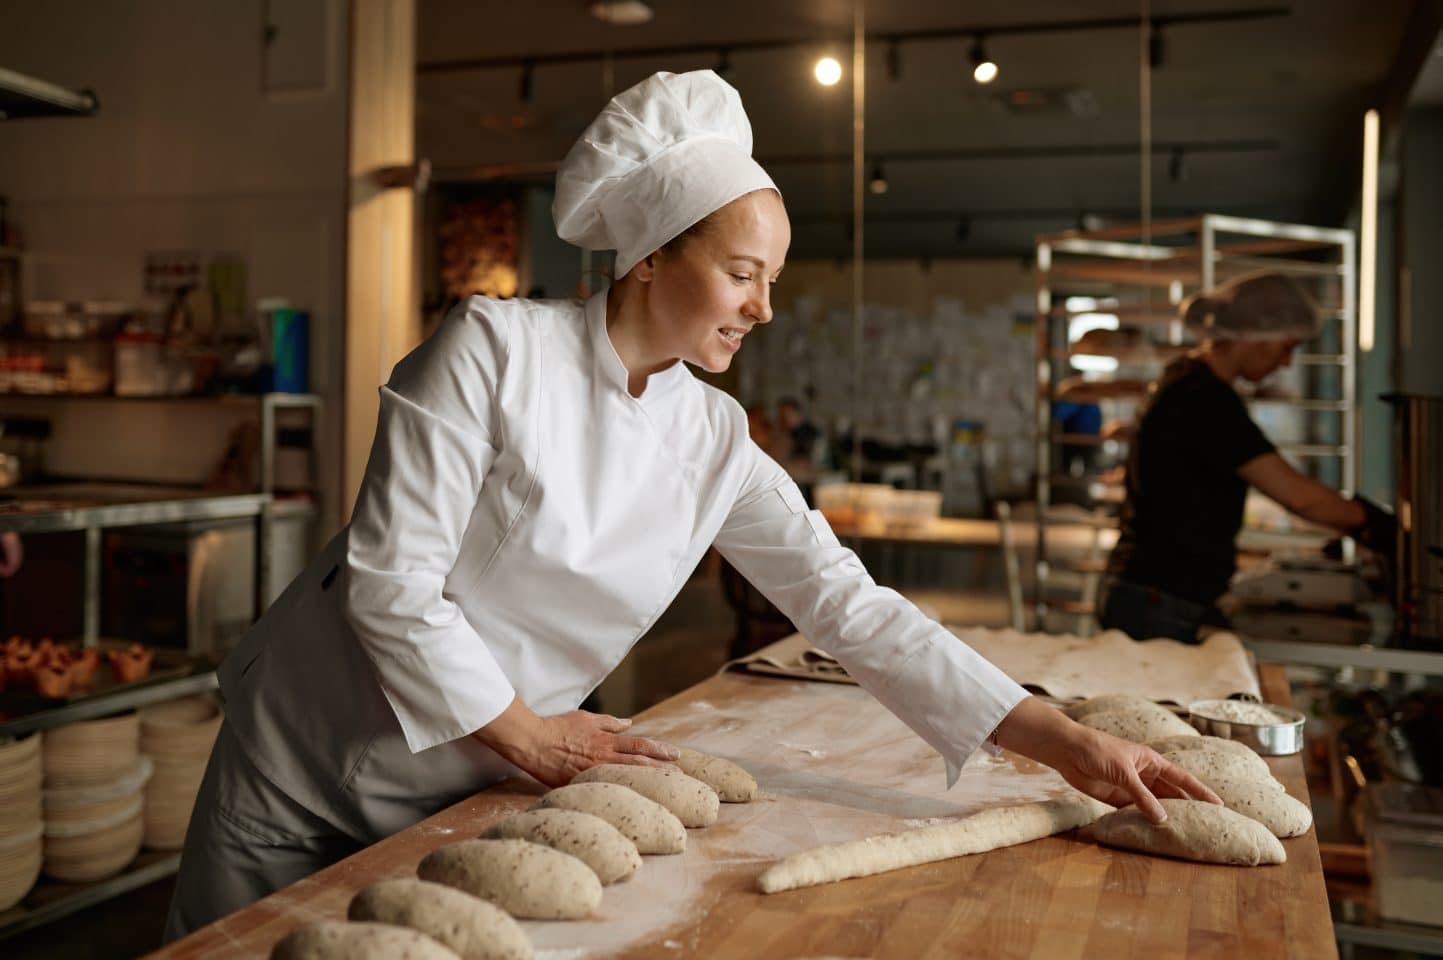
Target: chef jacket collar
(609,363)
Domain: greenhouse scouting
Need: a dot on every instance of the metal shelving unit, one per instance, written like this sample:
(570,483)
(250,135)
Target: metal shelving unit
(1143,277)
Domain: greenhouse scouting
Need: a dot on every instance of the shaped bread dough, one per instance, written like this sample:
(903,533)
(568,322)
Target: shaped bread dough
(525,879)
(1208,762)
(731,783)
(1138,724)
(694,803)
(1194,830)
(1264,801)
(1110,702)
(1205,742)
(975,833)
(646,823)
(473,928)
(358,941)
(587,837)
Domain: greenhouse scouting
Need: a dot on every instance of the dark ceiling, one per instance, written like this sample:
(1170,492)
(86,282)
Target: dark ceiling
(1258,115)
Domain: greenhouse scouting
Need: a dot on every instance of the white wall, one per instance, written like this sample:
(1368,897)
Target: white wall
(187,152)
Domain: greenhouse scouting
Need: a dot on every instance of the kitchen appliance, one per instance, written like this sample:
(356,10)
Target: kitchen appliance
(1418,441)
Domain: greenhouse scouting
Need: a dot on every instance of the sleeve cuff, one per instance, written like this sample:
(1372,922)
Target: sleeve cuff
(445,695)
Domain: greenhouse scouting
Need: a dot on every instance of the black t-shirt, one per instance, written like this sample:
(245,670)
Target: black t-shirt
(1184,503)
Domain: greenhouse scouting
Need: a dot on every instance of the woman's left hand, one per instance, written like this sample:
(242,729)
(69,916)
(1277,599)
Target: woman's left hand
(1114,771)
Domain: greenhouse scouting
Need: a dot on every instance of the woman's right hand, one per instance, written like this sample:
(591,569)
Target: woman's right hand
(555,749)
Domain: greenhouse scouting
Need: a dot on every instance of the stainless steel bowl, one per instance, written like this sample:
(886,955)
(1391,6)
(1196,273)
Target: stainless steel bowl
(1269,739)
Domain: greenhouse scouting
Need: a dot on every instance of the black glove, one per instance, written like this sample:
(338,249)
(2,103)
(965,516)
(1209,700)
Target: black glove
(1379,532)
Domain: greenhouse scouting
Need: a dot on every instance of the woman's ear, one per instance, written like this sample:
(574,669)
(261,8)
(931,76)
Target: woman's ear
(645,269)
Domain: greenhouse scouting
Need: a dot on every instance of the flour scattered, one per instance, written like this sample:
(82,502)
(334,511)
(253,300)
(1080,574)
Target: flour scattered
(809,751)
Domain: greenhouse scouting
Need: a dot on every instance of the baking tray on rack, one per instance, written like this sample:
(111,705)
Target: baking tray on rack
(167,665)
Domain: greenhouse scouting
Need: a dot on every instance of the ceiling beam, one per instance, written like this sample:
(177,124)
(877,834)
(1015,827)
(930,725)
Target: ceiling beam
(533,60)
(536,170)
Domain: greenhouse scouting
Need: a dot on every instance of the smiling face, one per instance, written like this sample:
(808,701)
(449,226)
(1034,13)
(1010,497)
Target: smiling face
(708,289)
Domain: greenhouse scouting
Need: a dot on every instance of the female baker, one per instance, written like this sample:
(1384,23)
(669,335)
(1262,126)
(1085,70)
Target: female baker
(545,476)
(1195,454)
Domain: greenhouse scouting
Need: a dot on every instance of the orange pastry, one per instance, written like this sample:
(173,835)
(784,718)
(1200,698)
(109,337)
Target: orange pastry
(52,681)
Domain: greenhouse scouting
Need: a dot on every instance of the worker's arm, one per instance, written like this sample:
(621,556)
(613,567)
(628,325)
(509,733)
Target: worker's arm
(1303,495)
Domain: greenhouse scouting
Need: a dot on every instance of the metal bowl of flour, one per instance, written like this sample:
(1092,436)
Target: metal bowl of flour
(1269,729)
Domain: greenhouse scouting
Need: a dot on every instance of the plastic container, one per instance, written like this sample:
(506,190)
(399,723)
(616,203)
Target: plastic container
(867,506)
(914,509)
(66,320)
(1405,848)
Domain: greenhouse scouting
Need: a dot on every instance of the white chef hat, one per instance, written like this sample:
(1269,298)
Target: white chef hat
(659,158)
(1254,306)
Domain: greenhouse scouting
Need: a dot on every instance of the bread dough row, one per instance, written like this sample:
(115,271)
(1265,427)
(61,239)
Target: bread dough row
(549,862)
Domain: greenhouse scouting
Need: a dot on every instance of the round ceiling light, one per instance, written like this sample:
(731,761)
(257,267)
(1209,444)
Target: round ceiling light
(828,71)
(622,13)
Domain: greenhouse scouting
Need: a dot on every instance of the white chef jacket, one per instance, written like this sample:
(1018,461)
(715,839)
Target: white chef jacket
(522,523)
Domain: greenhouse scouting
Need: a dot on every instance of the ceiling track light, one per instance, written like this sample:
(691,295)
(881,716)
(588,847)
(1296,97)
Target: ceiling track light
(1177,165)
(894,60)
(524,89)
(723,62)
(878,182)
(1156,45)
(963,230)
(984,69)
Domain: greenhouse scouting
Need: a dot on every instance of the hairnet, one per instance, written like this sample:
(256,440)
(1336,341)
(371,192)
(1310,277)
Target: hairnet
(1256,306)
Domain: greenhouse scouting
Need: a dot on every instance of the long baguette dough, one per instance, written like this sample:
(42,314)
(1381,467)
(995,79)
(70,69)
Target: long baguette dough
(977,833)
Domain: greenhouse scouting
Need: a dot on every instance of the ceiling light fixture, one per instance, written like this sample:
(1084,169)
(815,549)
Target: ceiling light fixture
(984,70)
(1368,236)
(622,13)
(524,88)
(963,229)
(1156,45)
(828,71)
(894,60)
(1177,166)
(723,62)
(878,183)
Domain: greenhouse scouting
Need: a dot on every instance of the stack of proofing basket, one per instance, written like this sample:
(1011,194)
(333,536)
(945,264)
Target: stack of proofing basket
(21,826)
(176,737)
(93,797)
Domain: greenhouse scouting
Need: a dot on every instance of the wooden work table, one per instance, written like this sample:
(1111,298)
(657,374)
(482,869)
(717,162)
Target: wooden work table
(834,765)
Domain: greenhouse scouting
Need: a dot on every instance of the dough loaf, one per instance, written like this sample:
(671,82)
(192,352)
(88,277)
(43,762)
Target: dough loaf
(473,928)
(1139,724)
(1109,702)
(525,879)
(359,941)
(1204,742)
(1207,762)
(1264,801)
(975,833)
(694,803)
(646,823)
(587,837)
(731,783)
(1194,830)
